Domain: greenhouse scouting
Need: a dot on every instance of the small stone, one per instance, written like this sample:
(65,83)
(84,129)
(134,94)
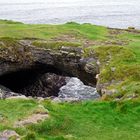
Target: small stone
(71,55)
(40,99)
(56,100)
(113,69)
(64,52)
(98,62)
(6,134)
(90,68)
(97,76)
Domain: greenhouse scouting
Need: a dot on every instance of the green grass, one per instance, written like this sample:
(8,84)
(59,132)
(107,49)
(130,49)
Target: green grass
(13,110)
(92,121)
(55,45)
(77,121)
(18,30)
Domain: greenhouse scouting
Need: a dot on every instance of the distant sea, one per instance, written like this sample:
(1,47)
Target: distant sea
(111,13)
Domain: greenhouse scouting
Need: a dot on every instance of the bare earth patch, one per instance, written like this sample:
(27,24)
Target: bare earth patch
(33,119)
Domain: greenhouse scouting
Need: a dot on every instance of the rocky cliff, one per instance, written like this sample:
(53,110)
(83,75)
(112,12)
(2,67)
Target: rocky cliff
(23,65)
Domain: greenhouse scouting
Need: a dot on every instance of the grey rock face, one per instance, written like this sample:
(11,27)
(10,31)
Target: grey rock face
(76,90)
(66,88)
(68,60)
(5,92)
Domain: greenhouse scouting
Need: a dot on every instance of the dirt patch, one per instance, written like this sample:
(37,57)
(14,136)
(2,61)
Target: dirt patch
(85,43)
(33,119)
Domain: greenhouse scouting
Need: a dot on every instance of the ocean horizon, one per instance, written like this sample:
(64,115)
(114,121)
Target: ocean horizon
(110,13)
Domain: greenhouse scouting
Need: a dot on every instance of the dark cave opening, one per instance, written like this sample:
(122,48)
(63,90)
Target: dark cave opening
(19,79)
(38,81)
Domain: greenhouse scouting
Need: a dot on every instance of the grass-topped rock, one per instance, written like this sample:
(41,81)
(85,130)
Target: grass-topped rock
(40,57)
(115,50)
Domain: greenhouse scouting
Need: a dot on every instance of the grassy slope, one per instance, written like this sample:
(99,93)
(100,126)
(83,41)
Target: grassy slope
(18,30)
(84,121)
(76,121)
(13,110)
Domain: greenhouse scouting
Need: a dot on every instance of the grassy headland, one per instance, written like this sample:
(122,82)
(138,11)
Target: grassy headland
(119,54)
(118,50)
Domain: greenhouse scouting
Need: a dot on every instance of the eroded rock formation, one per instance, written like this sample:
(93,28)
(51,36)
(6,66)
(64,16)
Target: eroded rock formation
(26,69)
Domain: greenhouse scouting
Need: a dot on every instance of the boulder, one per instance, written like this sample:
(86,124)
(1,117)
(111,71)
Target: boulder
(75,90)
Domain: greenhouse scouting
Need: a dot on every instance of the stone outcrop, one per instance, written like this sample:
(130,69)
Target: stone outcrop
(6,93)
(67,60)
(75,90)
(21,58)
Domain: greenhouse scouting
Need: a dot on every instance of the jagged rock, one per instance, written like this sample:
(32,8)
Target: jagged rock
(5,92)
(76,90)
(25,56)
(47,85)
(28,69)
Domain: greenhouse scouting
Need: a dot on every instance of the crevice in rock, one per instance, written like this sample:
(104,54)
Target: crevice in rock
(39,71)
(39,80)
(46,73)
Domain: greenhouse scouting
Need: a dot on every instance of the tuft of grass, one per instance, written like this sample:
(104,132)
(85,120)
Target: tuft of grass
(54,45)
